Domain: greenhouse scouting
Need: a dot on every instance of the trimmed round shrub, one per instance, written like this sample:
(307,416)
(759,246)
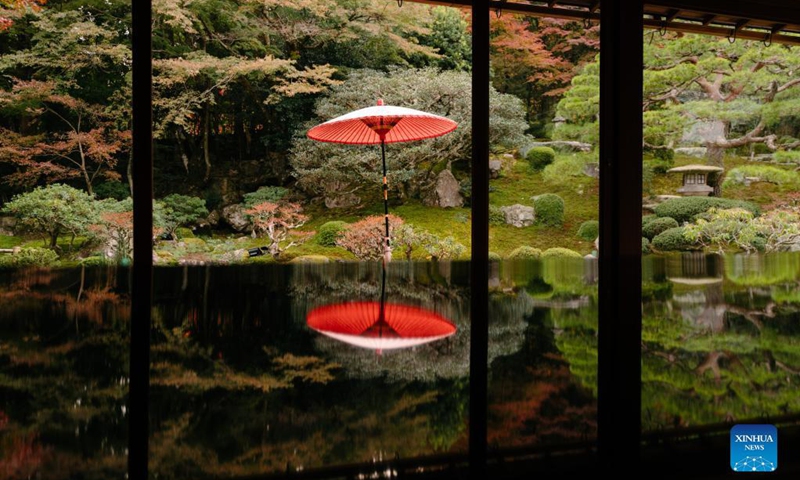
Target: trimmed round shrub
(645,246)
(525,252)
(589,230)
(670,240)
(560,252)
(329,232)
(657,226)
(496,215)
(647,219)
(685,209)
(540,157)
(549,209)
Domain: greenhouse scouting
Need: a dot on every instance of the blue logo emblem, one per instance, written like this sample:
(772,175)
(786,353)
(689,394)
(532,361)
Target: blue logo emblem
(754,448)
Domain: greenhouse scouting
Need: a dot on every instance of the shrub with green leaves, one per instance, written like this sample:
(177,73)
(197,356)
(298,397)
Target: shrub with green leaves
(589,230)
(525,252)
(784,156)
(549,209)
(658,225)
(329,232)
(565,169)
(685,209)
(672,240)
(540,157)
(33,257)
(560,252)
(496,215)
(443,248)
(180,211)
(645,246)
(763,173)
(264,194)
(648,218)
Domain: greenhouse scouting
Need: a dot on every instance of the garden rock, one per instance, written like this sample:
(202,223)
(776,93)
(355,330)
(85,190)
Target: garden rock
(234,216)
(495,166)
(212,220)
(519,215)
(592,170)
(445,192)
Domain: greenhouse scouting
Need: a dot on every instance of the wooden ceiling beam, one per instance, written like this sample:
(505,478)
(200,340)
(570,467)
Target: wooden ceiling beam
(732,34)
(677,17)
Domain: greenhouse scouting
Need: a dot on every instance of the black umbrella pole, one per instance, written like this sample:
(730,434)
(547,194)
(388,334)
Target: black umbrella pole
(385,197)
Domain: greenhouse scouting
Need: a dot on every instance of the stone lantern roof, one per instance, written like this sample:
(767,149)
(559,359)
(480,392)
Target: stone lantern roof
(695,179)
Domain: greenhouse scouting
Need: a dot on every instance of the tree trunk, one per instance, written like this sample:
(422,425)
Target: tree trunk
(129,172)
(206,134)
(54,238)
(714,157)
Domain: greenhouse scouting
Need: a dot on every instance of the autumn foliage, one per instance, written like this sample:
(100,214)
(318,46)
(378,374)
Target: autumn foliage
(365,238)
(276,220)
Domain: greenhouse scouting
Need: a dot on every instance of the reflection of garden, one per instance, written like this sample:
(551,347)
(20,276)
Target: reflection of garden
(240,384)
(721,348)
(63,373)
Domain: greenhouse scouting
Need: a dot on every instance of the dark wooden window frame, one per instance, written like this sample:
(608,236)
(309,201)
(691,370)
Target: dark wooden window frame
(619,368)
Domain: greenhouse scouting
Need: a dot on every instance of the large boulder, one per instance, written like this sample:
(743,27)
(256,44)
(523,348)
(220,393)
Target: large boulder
(519,215)
(235,216)
(445,192)
(342,200)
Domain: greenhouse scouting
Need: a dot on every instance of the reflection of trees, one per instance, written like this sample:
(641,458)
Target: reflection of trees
(534,397)
(720,350)
(544,392)
(63,373)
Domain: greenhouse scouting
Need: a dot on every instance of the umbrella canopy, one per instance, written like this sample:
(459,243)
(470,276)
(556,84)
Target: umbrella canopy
(361,324)
(382,123)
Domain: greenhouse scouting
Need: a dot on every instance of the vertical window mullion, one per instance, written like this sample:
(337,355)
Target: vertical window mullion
(479,267)
(620,262)
(142,269)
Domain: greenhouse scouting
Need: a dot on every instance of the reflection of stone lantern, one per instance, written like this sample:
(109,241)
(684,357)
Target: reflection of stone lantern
(695,179)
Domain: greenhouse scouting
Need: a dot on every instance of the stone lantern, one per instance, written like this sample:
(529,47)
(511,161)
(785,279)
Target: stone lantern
(695,179)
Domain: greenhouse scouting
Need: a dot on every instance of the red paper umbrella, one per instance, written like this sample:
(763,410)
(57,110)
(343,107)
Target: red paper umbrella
(382,124)
(363,324)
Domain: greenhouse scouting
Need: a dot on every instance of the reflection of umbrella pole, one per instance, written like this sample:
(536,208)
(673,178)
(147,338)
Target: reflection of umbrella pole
(387,251)
(382,310)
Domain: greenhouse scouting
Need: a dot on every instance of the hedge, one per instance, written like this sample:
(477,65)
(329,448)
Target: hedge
(685,209)
(560,252)
(525,252)
(658,225)
(671,239)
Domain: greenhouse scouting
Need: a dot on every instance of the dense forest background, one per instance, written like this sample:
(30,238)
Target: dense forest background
(235,82)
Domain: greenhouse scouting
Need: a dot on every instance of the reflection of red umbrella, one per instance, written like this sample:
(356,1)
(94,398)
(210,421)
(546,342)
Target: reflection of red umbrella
(382,124)
(379,326)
